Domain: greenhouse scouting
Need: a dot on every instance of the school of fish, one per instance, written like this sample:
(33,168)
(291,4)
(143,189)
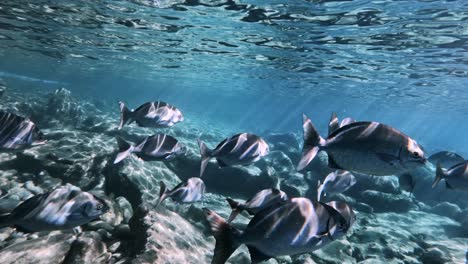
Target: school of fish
(279,225)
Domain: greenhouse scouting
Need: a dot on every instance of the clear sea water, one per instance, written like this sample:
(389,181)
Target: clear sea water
(253,65)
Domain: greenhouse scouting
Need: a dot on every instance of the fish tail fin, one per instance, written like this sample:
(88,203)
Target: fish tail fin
(312,143)
(224,235)
(163,193)
(126,116)
(440,173)
(319,191)
(125,149)
(5,220)
(333,124)
(235,209)
(205,153)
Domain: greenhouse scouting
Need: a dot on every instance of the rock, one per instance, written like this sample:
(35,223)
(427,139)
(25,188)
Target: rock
(29,185)
(8,204)
(43,250)
(280,162)
(171,239)
(125,208)
(434,256)
(384,202)
(237,181)
(123,232)
(446,209)
(88,248)
(294,185)
(286,143)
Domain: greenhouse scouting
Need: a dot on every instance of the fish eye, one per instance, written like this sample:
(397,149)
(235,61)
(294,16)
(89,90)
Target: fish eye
(416,154)
(99,207)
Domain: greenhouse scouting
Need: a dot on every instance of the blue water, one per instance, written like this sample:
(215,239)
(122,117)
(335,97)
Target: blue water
(253,65)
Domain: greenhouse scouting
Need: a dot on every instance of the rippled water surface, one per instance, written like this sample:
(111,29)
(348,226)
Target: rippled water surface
(373,59)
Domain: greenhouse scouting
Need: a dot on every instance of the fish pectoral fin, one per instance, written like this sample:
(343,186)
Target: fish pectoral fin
(448,185)
(256,256)
(332,164)
(221,163)
(389,158)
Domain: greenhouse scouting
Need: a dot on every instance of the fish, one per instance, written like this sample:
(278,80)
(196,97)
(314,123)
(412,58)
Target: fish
(295,227)
(240,149)
(455,177)
(446,159)
(156,114)
(65,207)
(406,182)
(189,191)
(334,123)
(346,212)
(260,201)
(18,133)
(364,147)
(336,182)
(160,147)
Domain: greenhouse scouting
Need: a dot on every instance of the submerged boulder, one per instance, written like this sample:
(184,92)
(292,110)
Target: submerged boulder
(384,202)
(43,250)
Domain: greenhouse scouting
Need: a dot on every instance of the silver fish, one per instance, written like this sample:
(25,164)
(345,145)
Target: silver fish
(260,201)
(455,177)
(157,147)
(295,227)
(152,114)
(189,191)
(65,207)
(240,149)
(336,182)
(334,123)
(446,159)
(17,132)
(366,147)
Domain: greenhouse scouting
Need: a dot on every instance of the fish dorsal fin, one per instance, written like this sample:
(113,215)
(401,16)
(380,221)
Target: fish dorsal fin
(275,191)
(333,124)
(30,205)
(256,256)
(349,126)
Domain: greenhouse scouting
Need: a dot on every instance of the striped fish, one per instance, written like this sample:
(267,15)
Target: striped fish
(366,147)
(336,182)
(65,207)
(455,177)
(295,227)
(17,132)
(346,212)
(260,201)
(152,114)
(240,149)
(157,147)
(189,191)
